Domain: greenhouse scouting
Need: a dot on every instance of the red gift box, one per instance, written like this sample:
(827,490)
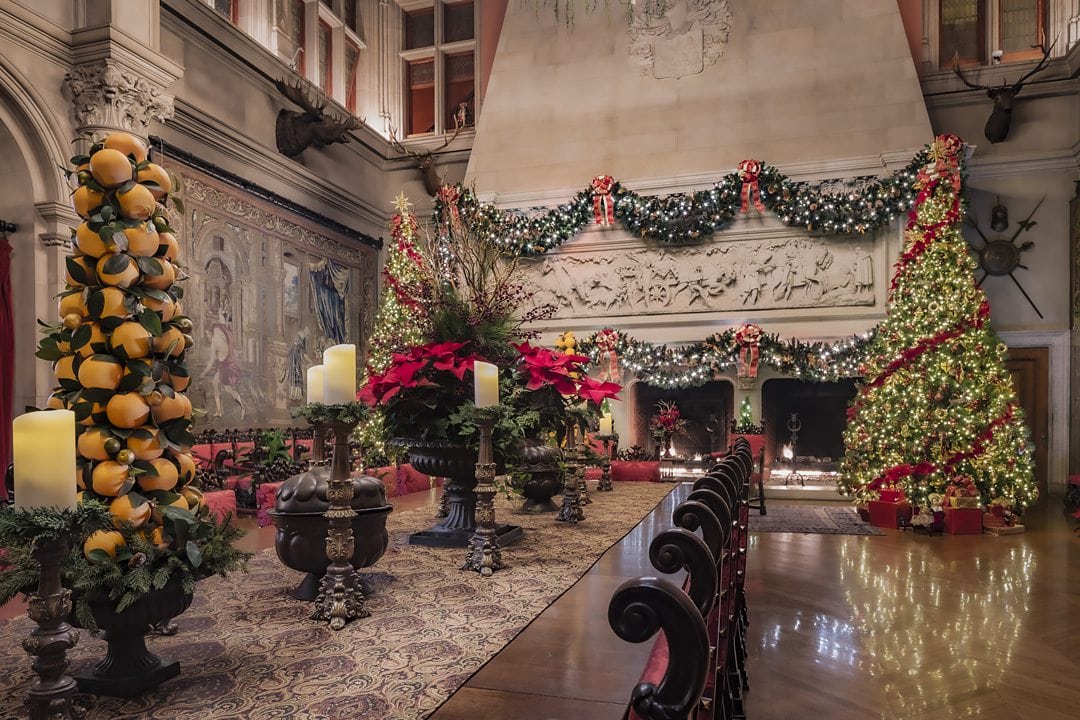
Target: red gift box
(891,495)
(889,514)
(963,521)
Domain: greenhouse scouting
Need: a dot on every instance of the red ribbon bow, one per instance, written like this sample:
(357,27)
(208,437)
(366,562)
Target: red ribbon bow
(449,195)
(749,338)
(749,171)
(603,202)
(606,342)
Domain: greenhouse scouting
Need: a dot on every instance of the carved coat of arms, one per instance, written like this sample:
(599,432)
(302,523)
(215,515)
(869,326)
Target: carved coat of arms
(673,38)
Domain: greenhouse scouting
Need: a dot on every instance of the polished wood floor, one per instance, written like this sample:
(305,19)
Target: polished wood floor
(842,627)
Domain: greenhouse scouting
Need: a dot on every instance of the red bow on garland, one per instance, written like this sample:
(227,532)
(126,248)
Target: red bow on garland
(749,171)
(606,342)
(749,338)
(603,202)
(449,195)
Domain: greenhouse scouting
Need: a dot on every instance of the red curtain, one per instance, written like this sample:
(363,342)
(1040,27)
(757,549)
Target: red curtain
(7,359)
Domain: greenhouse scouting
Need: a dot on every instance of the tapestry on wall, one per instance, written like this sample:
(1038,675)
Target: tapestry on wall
(269,292)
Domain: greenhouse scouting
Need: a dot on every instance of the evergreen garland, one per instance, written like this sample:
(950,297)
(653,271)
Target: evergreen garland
(836,206)
(697,363)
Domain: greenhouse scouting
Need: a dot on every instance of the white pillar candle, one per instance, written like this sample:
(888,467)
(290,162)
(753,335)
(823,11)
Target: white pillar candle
(315,384)
(486,376)
(605,424)
(43,450)
(339,374)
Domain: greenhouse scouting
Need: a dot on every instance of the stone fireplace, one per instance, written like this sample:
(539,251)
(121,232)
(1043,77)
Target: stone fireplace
(707,410)
(816,413)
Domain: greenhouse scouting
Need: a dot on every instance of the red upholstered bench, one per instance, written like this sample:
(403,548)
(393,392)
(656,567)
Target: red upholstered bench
(593,473)
(221,503)
(265,495)
(402,479)
(635,471)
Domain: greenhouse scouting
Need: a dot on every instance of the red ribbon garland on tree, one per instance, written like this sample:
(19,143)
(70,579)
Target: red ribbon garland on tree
(603,202)
(606,342)
(913,353)
(749,171)
(898,472)
(749,338)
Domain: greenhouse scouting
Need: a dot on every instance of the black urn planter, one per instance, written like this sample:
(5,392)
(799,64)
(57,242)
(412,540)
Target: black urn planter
(129,668)
(541,461)
(301,525)
(457,464)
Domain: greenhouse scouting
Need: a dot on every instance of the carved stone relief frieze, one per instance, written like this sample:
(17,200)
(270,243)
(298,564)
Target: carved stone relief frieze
(106,94)
(764,274)
(673,38)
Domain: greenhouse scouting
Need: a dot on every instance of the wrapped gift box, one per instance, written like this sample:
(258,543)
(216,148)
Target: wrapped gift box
(893,514)
(891,495)
(963,521)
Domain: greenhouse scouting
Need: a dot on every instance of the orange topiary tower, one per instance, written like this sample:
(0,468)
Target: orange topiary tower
(119,351)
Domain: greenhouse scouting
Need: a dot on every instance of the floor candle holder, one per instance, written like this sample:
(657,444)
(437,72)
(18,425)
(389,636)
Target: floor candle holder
(341,597)
(604,485)
(583,486)
(571,506)
(318,443)
(484,554)
(50,694)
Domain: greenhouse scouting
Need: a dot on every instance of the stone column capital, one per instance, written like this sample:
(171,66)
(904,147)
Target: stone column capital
(108,95)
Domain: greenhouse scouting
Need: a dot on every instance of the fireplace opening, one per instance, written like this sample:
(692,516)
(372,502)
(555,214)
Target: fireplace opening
(804,426)
(706,408)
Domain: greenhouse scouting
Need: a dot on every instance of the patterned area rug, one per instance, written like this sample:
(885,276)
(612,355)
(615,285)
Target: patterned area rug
(248,651)
(823,520)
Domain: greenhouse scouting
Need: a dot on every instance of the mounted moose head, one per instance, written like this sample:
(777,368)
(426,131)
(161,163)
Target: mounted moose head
(997,126)
(425,161)
(296,131)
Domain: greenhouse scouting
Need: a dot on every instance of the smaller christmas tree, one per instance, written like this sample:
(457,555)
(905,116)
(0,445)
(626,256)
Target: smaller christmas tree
(402,320)
(745,424)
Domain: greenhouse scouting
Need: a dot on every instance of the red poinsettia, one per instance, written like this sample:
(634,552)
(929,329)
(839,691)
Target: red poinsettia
(427,380)
(667,420)
(543,367)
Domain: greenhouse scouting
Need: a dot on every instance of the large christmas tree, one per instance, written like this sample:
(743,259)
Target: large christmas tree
(937,407)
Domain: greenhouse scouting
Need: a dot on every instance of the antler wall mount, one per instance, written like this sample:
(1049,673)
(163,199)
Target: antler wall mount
(297,131)
(997,125)
(425,161)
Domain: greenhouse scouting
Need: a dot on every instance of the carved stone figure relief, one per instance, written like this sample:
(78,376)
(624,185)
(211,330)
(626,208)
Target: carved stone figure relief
(731,276)
(106,94)
(250,295)
(674,38)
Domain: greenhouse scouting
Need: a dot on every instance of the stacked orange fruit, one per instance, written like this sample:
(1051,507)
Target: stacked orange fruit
(120,348)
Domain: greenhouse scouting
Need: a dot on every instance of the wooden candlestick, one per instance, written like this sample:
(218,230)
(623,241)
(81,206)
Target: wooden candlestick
(605,462)
(484,554)
(341,598)
(571,506)
(50,694)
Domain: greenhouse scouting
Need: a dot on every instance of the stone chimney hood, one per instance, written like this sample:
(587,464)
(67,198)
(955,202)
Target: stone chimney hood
(819,88)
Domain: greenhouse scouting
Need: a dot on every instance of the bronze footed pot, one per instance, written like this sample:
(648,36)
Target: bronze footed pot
(299,514)
(541,462)
(129,668)
(457,464)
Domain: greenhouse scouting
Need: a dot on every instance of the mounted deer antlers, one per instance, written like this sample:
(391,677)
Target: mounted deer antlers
(997,125)
(296,131)
(425,161)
